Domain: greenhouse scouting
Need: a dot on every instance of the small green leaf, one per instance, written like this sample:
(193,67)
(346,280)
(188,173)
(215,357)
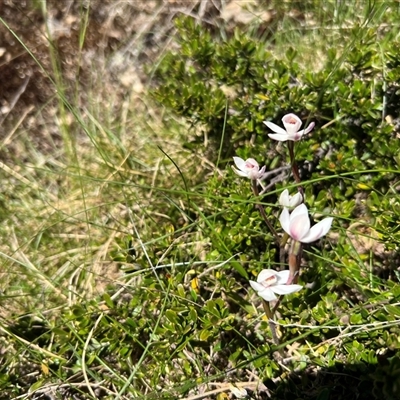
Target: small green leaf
(171,315)
(205,334)
(239,268)
(393,310)
(37,385)
(107,299)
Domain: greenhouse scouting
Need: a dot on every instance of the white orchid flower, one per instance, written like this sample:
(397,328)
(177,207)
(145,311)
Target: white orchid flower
(270,282)
(292,124)
(285,200)
(297,225)
(249,168)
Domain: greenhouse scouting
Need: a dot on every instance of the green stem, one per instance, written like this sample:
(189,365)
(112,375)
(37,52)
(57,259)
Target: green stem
(262,211)
(295,168)
(267,309)
(272,326)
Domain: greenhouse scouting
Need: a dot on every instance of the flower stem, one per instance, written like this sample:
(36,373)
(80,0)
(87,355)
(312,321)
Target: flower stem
(295,168)
(272,326)
(262,211)
(295,252)
(282,245)
(267,309)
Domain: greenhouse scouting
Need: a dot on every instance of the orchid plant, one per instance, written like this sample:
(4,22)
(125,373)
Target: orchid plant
(249,168)
(270,282)
(292,124)
(294,220)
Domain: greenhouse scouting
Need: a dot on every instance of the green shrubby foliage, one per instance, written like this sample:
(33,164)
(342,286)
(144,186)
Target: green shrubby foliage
(230,86)
(349,166)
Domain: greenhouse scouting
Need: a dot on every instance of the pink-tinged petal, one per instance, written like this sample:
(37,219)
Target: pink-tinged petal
(270,282)
(296,136)
(286,289)
(257,286)
(299,210)
(284,219)
(266,274)
(292,123)
(249,168)
(240,163)
(267,294)
(240,173)
(254,174)
(310,128)
(299,227)
(275,128)
(318,231)
(279,137)
(251,163)
(283,277)
(291,118)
